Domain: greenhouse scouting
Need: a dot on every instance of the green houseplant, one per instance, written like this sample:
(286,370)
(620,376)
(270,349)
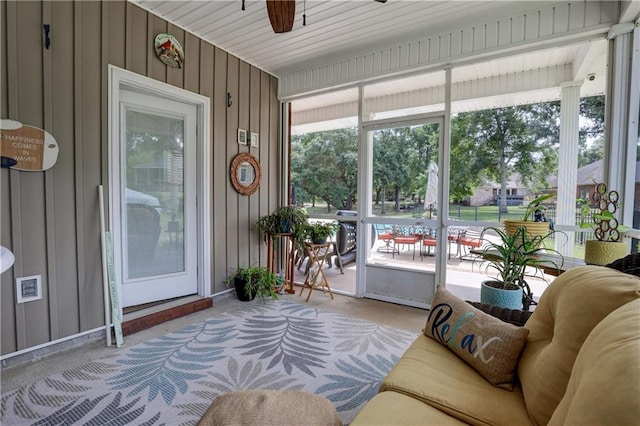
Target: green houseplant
(533,228)
(607,246)
(509,256)
(284,219)
(253,281)
(318,232)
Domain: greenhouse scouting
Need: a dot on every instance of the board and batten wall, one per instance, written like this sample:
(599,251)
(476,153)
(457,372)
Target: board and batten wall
(50,220)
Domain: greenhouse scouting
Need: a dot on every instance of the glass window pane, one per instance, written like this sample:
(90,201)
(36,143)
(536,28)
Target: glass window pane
(154,190)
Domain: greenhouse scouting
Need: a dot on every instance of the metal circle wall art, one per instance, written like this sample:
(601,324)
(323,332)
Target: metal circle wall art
(169,50)
(606,228)
(245,173)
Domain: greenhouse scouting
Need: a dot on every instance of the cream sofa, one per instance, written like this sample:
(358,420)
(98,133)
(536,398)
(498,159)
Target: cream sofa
(580,366)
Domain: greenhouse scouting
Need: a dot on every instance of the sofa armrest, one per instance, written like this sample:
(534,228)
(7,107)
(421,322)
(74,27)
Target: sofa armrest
(512,316)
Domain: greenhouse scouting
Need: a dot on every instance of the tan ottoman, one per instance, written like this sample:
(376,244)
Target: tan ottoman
(270,407)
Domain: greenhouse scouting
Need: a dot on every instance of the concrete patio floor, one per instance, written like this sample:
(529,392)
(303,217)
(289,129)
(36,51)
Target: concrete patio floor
(464,277)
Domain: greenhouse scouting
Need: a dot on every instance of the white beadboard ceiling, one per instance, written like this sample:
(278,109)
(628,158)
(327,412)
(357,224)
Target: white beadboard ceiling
(339,28)
(334,28)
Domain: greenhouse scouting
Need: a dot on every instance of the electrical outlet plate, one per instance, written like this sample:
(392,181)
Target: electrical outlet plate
(29,288)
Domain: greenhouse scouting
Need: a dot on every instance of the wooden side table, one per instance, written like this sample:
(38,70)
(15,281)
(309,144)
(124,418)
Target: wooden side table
(288,239)
(315,277)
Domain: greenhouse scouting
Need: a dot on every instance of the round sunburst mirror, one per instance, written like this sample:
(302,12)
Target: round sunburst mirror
(245,173)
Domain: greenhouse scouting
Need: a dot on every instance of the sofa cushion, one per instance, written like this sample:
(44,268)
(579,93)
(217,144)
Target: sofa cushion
(605,381)
(489,345)
(431,373)
(572,305)
(393,408)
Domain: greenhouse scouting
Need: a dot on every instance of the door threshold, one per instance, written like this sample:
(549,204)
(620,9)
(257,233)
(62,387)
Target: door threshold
(146,318)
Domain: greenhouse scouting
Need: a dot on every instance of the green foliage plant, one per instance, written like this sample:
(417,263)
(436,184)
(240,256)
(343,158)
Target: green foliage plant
(259,282)
(283,219)
(536,204)
(318,232)
(509,256)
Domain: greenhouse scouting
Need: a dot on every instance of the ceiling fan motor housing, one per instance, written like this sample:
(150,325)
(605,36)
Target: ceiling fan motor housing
(281,14)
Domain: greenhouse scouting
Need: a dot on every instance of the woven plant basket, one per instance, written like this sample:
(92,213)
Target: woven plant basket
(533,228)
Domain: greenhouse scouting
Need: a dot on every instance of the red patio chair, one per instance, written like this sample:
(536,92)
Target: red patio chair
(427,242)
(404,236)
(471,239)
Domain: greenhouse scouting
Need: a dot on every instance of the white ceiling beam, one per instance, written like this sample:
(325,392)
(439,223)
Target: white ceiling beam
(499,90)
(630,11)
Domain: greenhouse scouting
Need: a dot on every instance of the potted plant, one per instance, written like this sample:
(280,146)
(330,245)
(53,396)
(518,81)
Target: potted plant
(318,232)
(607,246)
(532,227)
(285,219)
(253,281)
(509,256)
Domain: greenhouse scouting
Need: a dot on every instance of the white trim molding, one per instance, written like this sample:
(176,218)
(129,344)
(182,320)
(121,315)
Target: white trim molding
(539,28)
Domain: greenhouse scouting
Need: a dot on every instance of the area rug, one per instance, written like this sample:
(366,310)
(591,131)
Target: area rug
(171,380)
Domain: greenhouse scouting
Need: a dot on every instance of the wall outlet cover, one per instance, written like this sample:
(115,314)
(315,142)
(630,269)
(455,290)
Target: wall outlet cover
(29,288)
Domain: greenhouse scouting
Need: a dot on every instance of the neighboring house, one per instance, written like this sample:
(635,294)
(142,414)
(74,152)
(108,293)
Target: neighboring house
(489,193)
(587,179)
(592,174)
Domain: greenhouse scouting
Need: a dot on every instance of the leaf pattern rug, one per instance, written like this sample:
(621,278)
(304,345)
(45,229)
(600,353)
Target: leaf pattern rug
(171,380)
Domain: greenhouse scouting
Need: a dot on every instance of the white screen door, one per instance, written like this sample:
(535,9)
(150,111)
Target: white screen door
(401,228)
(155,236)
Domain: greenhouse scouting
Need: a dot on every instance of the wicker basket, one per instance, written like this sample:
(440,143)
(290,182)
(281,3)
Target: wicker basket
(533,228)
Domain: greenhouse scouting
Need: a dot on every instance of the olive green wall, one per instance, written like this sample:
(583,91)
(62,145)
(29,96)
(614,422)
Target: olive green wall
(50,220)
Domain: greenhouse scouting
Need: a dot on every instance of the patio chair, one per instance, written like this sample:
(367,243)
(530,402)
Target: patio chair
(143,233)
(469,239)
(403,235)
(386,235)
(453,237)
(428,242)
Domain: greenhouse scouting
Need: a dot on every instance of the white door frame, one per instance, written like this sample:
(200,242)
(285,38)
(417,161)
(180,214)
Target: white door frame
(365,185)
(120,79)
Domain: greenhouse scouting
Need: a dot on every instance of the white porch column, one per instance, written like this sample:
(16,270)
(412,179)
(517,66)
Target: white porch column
(621,116)
(568,163)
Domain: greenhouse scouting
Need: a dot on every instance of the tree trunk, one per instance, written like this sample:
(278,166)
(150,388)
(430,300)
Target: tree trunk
(503,187)
(397,199)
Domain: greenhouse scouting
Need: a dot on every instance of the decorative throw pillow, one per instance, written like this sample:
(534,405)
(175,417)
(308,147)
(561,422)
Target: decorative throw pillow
(491,346)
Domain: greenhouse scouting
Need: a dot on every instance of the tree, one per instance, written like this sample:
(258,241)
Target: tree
(324,165)
(591,130)
(466,175)
(424,144)
(509,140)
(392,153)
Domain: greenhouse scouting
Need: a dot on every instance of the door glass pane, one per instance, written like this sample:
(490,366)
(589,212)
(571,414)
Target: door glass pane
(154,194)
(405,186)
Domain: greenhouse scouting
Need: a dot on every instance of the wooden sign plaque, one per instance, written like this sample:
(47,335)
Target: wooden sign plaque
(32,148)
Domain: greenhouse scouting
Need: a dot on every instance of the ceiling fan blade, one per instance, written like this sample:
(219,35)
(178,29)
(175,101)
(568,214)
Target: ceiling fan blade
(381,1)
(281,14)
